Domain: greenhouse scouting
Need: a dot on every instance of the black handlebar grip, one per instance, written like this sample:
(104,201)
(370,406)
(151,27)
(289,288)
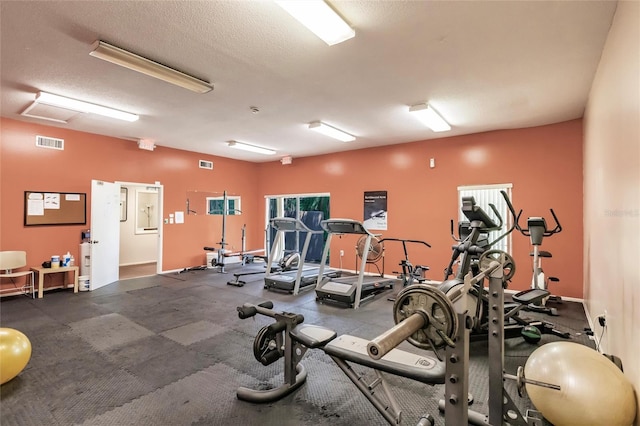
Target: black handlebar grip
(245,312)
(299,319)
(209,249)
(277,326)
(270,357)
(268,304)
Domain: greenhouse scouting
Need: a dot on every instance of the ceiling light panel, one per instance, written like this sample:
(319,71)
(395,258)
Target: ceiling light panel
(251,148)
(332,132)
(81,106)
(430,117)
(124,58)
(320,19)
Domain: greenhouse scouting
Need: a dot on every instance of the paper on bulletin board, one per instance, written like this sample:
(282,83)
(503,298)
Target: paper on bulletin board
(51,201)
(35,204)
(179,217)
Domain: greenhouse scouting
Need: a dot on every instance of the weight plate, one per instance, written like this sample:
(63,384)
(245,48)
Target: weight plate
(520,382)
(441,315)
(265,347)
(508,263)
(468,303)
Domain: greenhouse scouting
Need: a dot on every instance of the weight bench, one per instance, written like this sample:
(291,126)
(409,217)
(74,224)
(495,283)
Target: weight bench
(354,349)
(346,348)
(290,339)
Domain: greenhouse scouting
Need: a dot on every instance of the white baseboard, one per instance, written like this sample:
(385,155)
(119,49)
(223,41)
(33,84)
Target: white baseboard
(144,262)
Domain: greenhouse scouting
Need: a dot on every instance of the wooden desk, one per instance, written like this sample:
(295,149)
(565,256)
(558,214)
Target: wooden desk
(44,271)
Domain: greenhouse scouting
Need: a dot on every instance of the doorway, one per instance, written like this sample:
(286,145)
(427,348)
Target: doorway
(140,230)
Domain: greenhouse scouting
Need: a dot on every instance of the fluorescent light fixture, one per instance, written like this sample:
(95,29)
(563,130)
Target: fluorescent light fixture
(320,18)
(430,118)
(332,132)
(80,106)
(146,66)
(251,148)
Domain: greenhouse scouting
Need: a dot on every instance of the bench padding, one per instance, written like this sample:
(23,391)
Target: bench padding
(312,336)
(422,368)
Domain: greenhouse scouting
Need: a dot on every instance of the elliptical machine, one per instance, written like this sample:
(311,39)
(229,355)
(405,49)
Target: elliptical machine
(475,254)
(536,230)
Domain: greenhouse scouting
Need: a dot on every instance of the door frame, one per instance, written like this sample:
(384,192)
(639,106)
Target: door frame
(160,189)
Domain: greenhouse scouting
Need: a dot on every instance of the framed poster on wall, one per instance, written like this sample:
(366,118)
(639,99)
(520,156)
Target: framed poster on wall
(375,210)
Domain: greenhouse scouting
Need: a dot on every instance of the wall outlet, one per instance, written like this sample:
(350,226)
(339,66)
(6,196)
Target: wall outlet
(341,253)
(602,320)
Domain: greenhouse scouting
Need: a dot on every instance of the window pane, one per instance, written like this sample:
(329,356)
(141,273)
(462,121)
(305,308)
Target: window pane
(484,197)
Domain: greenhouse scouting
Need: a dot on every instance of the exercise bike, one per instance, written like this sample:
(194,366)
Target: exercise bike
(536,230)
(409,273)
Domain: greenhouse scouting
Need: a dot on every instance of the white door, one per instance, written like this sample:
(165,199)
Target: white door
(105,233)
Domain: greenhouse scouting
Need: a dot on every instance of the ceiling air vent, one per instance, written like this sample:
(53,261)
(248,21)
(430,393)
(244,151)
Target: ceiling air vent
(206,164)
(47,142)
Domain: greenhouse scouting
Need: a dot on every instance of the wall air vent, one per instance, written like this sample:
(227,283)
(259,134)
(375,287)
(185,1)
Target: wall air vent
(51,143)
(206,164)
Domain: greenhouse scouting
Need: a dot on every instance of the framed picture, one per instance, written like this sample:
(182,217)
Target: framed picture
(146,211)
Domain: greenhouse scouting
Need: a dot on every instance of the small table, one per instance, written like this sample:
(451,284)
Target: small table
(43,271)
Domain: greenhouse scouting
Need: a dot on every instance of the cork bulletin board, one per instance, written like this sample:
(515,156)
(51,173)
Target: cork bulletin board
(55,208)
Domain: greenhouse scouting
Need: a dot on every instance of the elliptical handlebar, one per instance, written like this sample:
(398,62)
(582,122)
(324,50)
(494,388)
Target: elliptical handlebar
(453,235)
(513,216)
(509,205)
(497,213)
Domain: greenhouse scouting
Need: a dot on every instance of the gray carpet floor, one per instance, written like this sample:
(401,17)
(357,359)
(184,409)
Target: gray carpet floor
(171,350)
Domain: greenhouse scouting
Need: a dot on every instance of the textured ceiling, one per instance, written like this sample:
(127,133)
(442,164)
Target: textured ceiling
(483,65)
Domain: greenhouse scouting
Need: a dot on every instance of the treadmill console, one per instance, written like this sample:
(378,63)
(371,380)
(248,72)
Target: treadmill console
(344,226)
(289,224)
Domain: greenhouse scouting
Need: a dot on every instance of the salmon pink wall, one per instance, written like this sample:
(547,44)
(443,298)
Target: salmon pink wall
(544,164)
(24,167)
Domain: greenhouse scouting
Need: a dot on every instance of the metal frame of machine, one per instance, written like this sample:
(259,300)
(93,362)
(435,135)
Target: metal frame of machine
(342,290)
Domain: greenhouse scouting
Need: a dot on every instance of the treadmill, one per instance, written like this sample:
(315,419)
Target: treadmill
(353,289)
(303,276)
